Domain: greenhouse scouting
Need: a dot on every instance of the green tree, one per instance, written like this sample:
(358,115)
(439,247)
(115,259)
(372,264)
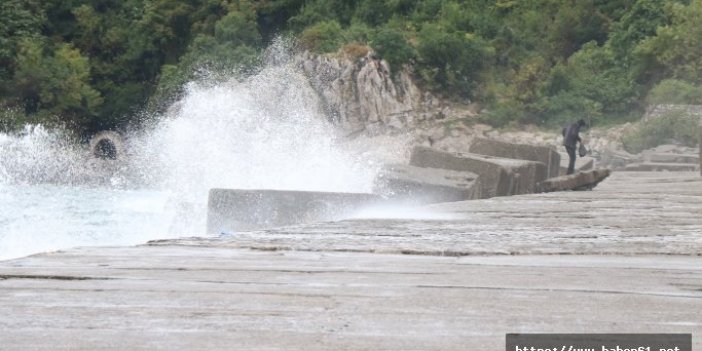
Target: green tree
(316,11)
(57,84)
(392,46)
(677,48)
(635,25)
(233,48)
(590,84)
(21,19)
(672,91)
(372,12)
(238,28)
(326,36)
(575,23)
(451,61)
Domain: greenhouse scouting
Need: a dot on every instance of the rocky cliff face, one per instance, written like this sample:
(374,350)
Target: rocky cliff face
(364,98)
(361,95)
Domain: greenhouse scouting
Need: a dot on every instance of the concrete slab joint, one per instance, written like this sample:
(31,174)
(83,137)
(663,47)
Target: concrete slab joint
(547,155)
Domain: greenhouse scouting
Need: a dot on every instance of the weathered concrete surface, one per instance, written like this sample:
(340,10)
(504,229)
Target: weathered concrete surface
(618,159)
(544,154)
(231,211)
(426,185)
(498,176)
(655,166)
(185,298)
(631,213)
(666,157)
(669,157)
(331,286)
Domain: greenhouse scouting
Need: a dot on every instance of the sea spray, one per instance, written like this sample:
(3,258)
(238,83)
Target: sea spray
(266,131)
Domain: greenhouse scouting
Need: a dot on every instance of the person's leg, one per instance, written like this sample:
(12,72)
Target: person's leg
(571,161)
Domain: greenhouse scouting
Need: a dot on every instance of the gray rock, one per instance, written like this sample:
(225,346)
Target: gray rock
(363,95)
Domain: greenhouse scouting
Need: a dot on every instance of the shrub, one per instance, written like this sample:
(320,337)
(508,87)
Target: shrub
(358,32)
(568,107)
(236,29)
(451,61)
(355,50)
(502,114)
(392,46)
(324,36)
(678,126)
(372,12)
(671,91)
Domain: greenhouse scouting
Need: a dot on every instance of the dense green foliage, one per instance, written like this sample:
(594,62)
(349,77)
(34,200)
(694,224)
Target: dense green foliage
(91,64)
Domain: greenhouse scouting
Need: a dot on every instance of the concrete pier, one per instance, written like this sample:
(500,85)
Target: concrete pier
(623,258)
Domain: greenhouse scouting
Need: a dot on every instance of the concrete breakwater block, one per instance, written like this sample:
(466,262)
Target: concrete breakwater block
(544,154)
(667,157)
(233,210)
(657,166)
(585,163)
(618,159)
(586,180)
(498,176)
(426,185)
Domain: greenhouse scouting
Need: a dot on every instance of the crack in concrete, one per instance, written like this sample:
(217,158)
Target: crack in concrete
(584,291)
(49,277)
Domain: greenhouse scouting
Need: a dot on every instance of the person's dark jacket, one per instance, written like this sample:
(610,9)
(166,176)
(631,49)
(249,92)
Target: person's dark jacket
(571,134)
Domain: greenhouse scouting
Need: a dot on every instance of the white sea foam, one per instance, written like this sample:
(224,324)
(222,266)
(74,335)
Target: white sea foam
(264,131)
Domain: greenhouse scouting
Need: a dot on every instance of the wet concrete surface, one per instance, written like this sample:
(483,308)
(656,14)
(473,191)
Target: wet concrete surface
(621,259)
(631,213)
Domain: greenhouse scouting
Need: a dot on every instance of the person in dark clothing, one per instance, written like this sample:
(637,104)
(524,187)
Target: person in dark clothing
(571,138)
